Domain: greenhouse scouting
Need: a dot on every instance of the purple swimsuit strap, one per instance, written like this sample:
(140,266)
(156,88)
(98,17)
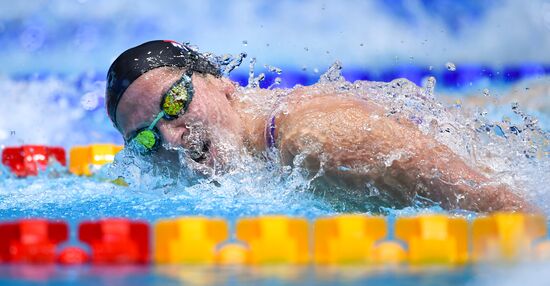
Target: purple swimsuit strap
(270,133)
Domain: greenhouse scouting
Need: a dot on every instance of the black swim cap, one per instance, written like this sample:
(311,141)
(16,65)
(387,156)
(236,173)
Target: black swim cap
(136,61)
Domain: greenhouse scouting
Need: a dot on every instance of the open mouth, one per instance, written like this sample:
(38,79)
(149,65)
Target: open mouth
(199,154)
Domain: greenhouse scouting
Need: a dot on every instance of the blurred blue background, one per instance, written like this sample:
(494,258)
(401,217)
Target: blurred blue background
(54,54)
(74,36)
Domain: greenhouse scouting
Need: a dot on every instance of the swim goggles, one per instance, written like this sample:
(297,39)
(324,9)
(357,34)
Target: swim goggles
(174,103)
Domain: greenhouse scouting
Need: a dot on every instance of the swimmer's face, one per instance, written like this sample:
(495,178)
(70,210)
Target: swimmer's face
(210,130)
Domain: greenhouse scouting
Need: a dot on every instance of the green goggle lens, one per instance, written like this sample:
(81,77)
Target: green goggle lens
(175,100)
(146,139)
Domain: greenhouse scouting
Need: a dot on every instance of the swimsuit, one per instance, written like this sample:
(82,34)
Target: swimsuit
(270,134)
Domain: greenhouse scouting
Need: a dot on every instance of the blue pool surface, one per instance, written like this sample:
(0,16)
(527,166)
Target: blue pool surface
(521,274)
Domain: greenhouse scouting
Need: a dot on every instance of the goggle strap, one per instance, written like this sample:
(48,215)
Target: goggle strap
(159,116)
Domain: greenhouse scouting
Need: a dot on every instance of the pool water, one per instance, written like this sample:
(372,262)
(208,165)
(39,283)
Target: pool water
(524,274)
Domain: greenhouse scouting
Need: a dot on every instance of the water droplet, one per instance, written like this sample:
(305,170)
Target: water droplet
(372,190)
(430,86)
(251,72)
(273,69)
(328,52)
(277,81)
(483,113)
(245,43)
(316,70)
(333,73)
(90,100)
(267,44)
(306,49)
(225,59)
(254,82)
(361,44)
(304,68)
(12,132)
(450,66)
(430,67)
(231,62)
(344,168)
(486,92)
(194,48)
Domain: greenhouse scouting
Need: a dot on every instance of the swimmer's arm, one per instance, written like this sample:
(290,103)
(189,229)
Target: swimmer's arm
(356,144)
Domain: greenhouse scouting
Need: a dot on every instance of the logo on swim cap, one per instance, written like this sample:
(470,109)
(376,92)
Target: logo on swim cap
(176,44)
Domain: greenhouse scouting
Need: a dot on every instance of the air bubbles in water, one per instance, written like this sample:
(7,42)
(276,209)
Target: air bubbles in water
(450,66)
(245,43)
(486,92)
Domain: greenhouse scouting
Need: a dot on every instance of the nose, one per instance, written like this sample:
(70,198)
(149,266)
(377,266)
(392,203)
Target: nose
(171,133)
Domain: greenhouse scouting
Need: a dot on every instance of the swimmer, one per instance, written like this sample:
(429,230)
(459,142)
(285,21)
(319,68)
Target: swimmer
(163,94)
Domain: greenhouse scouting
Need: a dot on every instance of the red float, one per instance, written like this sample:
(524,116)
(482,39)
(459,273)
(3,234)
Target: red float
(31,241)
(28,159)
(116,241)
(72,256)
